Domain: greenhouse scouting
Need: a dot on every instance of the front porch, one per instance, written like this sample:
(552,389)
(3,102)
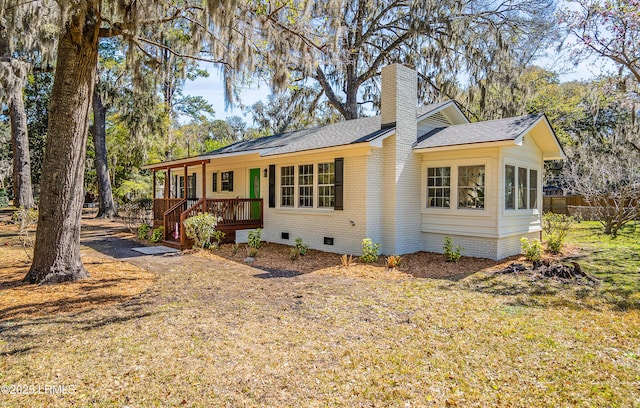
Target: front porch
(179,201)
(234,214)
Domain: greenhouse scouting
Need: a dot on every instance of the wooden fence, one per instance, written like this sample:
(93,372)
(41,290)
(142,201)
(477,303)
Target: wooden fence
(562,204)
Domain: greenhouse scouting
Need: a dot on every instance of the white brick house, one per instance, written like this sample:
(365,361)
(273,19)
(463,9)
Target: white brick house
(406,179)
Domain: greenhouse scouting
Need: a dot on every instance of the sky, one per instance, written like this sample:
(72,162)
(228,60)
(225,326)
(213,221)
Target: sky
(212,88)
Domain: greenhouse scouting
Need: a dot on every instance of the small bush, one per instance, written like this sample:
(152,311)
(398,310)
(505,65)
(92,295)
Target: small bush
(200,229)
(157,235)
(294,253)
(453,253)
(346,260)
(393,261)
(143,231)
(369,251)
(218,236)
(532,250)
(556,227)
(254,239)
(301,247)
(235,248)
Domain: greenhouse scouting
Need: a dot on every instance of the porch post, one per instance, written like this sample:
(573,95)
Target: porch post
(153,176)
(184,190)
(167,183)
(204,180)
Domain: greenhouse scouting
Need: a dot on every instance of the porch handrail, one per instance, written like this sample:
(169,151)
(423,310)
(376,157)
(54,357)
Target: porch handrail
(176,205)
(185,214)
(170,218)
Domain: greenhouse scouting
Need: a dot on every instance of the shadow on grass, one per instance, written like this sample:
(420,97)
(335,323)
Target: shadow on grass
(16,351)
(276,273)
(23,335)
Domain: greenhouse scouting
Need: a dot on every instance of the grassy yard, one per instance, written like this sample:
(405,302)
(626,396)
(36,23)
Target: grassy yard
(211,332)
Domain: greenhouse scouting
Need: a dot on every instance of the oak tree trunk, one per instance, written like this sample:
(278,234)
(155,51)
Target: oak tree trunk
(56,255)
(106,206)
(22,191)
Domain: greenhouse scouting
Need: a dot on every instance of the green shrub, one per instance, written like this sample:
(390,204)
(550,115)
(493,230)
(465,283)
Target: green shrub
(369,251)
(143,231)
(532,250)
(453,253)
(254,239)
(4,199)
(157,235)
(218,236)
(556,227)
(200,229)
(301,247)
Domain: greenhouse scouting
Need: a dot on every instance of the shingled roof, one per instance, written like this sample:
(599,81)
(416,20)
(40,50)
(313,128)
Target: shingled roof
(338,134)
(478,132)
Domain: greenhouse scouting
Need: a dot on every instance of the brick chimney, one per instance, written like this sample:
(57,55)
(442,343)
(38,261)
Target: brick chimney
(401,166)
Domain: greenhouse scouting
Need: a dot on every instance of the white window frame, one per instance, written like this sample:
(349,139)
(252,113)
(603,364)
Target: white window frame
(454,164)
(296,190)
(528,165)
(292,186)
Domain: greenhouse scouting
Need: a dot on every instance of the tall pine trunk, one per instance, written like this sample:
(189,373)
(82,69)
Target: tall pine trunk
(56,255)
(106,206)
(22,191)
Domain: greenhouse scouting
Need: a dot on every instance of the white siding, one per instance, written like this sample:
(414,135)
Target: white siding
(464,221)
(520,221)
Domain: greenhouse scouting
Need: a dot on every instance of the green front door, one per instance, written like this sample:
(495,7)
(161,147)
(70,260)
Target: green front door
(254,192)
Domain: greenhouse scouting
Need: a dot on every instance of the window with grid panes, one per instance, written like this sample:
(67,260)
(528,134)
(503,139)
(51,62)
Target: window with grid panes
(439,187)
(287,186)
(305,185)
(326,185)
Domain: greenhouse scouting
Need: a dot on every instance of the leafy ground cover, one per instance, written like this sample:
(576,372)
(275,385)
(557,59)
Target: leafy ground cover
(211,331)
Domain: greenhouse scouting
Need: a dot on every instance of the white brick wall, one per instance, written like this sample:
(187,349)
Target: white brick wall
(313,225)
(401,166)
(492,248)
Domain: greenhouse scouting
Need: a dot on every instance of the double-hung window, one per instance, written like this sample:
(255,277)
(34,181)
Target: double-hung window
(326,185)
(308,186)
(439,187)
(287,186)
(305,185)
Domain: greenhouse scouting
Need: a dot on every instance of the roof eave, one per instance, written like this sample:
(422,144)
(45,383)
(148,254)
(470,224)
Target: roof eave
(464,146)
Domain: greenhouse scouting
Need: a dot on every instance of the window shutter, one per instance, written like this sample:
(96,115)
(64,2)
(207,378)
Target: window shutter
(214,186)
(272,186)
(339,183)
(230,181)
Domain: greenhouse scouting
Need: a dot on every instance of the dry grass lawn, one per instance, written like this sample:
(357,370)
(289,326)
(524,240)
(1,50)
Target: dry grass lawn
(210,331)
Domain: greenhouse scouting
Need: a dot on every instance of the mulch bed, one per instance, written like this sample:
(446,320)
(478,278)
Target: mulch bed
(275,257)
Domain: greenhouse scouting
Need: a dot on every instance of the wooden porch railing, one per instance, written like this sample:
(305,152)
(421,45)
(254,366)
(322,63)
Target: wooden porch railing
(234,213)
(161,205)
(171,219)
